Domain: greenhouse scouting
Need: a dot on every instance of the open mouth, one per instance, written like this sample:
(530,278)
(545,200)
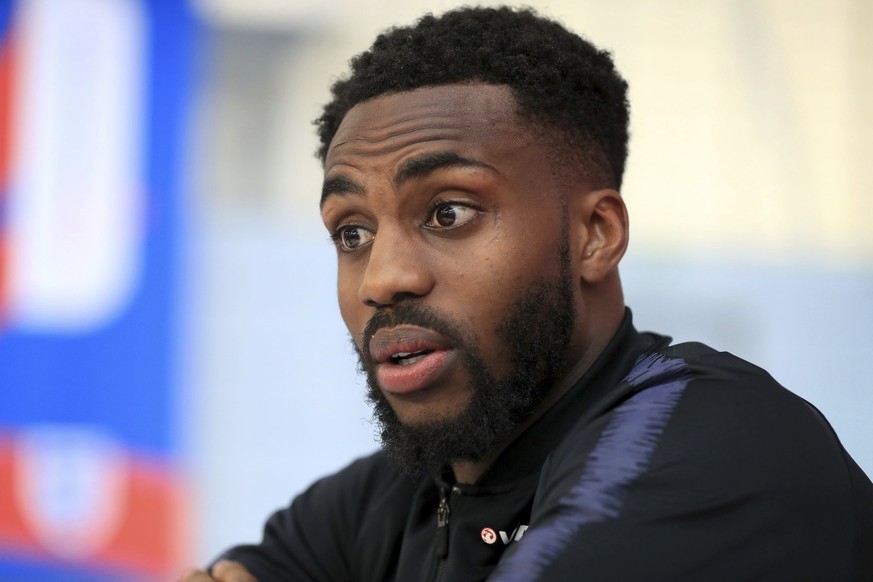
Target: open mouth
(408,358)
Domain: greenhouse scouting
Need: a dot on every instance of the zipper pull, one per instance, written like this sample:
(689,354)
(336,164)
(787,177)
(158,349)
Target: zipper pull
(442,540)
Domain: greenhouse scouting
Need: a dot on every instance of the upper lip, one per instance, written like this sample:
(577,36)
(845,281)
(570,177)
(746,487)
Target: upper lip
(401,339)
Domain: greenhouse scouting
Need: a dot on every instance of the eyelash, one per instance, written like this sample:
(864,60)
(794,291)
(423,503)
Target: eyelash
(335,238)
(436,205)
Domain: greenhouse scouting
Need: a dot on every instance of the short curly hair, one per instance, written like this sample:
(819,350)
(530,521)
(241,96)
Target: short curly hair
(560,81)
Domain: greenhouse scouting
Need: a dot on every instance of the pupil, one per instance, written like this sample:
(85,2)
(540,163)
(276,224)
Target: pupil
(446,216)
(351,237)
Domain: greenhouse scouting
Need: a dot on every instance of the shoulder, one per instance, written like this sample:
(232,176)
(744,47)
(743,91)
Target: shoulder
(716,420)
(734,413)
(707,394)
(704,462)
(688,405)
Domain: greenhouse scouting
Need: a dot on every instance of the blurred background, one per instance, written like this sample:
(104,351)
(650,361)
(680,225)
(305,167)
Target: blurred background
(173,367)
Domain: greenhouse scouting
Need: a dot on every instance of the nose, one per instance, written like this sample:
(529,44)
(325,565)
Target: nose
(395,270)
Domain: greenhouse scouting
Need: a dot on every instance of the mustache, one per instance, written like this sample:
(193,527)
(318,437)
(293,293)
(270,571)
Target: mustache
(409,314)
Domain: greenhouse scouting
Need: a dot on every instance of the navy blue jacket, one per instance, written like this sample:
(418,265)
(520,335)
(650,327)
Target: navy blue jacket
(662,463)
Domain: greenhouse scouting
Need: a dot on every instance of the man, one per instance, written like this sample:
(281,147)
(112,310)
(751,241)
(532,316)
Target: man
(472,168)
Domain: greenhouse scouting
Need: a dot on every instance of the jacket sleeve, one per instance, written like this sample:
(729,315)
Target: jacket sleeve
(326,534)
(709,472)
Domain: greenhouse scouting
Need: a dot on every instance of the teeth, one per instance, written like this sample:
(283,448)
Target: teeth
(407,358)
(412,360)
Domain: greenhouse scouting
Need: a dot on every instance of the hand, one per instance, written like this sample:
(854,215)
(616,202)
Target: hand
(222,571)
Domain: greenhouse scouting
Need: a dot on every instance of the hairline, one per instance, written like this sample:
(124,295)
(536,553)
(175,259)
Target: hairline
(588,160)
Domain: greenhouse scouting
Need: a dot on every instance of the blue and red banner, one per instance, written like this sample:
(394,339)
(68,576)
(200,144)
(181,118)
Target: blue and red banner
(93,98)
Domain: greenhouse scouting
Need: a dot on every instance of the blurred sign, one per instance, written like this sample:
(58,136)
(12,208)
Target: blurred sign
(73,197)
(92,96)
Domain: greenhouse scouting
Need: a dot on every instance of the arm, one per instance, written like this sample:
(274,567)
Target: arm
(334,531)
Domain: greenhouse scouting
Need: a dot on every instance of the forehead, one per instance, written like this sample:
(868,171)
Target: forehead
(471,117)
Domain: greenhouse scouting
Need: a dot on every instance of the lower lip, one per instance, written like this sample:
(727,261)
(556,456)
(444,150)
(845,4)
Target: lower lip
(414,377)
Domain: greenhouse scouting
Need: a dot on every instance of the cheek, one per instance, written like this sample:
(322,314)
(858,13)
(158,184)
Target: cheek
(479,298)
(350,308)
(497,279)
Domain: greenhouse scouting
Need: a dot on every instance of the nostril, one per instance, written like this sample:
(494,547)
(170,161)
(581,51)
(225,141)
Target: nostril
(389,286)
(393,300)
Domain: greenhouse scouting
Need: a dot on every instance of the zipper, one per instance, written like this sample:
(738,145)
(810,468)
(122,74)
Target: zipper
(442,536)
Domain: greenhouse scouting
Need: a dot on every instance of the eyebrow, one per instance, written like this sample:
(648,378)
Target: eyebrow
(414,169)
(339,186)
(421,167)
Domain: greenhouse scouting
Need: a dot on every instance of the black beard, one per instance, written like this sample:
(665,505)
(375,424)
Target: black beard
(536,333)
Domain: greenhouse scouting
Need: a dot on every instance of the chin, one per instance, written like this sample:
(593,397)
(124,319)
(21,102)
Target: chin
(429,416)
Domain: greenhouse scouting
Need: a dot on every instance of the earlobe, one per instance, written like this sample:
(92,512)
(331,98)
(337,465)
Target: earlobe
(602,226)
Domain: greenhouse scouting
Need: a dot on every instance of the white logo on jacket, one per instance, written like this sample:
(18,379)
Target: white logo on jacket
(489,537)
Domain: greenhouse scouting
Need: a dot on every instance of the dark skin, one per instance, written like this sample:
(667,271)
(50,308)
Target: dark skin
(443,196)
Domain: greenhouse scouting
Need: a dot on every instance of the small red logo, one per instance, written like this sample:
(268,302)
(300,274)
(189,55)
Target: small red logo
(489,536)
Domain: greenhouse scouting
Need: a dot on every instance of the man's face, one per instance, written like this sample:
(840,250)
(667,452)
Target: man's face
(454,271)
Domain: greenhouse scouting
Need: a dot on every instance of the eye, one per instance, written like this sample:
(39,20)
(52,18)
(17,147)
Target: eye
(451,215)
(350,237)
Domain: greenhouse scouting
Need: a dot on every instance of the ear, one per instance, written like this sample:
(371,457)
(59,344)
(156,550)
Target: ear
(599,223)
